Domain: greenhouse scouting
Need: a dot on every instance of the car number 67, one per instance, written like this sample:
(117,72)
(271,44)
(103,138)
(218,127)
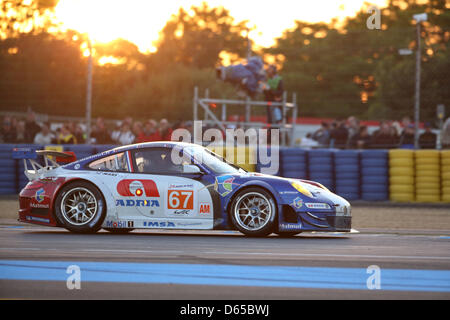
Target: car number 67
(180,199)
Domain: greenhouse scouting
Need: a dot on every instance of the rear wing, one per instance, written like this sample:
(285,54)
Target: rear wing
(52,160)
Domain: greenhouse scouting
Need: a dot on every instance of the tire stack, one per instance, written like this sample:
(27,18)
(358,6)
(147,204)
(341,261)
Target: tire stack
(321,167)
(401,175)
(374,175)
(428,176)
(347,174)
(7,170)
(445,175)
(293,163)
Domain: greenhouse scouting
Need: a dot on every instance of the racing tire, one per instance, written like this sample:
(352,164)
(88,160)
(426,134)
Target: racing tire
(253,212)
(80,207)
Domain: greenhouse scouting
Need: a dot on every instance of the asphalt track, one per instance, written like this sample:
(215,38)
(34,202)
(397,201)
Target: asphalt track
(164,264)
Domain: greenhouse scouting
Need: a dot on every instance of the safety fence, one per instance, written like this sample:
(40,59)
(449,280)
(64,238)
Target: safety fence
(397,175)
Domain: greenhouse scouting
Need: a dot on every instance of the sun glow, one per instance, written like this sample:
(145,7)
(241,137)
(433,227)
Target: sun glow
(140,21)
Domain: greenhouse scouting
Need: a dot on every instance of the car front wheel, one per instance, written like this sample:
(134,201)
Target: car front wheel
(253,212)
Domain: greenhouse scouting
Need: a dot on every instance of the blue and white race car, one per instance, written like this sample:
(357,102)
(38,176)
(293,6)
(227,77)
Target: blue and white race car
(172,185)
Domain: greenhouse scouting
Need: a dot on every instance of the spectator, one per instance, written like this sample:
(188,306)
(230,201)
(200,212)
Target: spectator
(427,140)
(446,134)
(245,77)
(353,127)
(339,134)
(384,137)
(322,135)
(65,136)
(116,132)
(8,131)
(165,132)
(32,128)
(21,135)
(149,133)
(125,136)
(406,121)
(396,128)
(137,130)
(407,137)
(70,126)
(273,92)
(361,140)
(79,133)
(45,136)
(128,120)
(100,133)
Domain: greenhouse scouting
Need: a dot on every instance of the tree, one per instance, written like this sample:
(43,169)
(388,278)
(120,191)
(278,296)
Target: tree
(44,72)
(25,16)
(345,70)
(169,94)
(196,38)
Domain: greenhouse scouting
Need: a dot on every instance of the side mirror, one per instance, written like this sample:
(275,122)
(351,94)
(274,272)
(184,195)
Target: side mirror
(191,169)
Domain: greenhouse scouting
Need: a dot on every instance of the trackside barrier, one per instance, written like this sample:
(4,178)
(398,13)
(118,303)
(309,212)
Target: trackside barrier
(401,175)
(371,175)
(428,175)
(374,175)
(321,167)
(293,163)
(445,175)
(347,174)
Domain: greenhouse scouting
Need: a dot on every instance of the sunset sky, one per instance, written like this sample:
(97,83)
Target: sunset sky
(140,21)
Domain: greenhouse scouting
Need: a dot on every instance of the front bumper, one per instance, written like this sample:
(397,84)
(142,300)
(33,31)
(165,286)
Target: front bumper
(343,224)
(314,221)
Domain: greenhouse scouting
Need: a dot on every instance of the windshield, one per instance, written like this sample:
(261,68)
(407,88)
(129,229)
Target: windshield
(216,163)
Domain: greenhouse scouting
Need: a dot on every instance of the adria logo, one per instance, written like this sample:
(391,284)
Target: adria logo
(137,188)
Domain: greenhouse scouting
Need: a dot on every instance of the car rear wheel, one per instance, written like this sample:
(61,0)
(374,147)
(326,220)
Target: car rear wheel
(80,207)
(253,212)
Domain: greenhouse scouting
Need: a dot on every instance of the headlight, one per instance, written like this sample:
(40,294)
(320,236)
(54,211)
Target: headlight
(301,189)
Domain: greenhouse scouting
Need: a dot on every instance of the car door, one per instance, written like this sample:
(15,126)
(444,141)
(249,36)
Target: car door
(157,193)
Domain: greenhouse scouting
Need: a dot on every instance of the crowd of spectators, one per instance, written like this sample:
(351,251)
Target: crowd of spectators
(351,134)
(124,132)
(347,133)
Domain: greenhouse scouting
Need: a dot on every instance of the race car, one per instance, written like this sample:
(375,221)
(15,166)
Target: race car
(171,185)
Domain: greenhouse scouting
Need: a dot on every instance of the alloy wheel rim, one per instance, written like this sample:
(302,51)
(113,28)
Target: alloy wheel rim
(253,211)
(79,206)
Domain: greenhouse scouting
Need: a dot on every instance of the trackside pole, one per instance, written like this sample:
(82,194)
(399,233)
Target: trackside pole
(195,104)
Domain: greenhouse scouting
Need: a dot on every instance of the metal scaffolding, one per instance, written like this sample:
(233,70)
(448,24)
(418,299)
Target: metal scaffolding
(210,118)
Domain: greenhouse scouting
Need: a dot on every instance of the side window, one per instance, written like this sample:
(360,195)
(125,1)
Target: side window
(116,162)
(157,161)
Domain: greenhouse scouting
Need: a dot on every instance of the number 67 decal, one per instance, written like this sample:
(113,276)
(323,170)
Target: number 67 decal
(180,199)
